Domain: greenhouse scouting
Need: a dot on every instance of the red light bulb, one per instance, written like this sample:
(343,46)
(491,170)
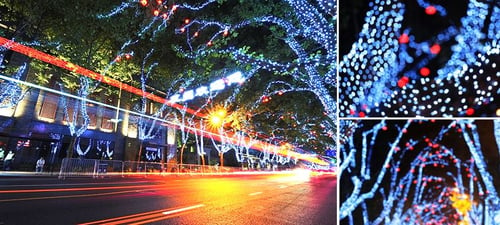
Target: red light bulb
(404,39)
(430,10)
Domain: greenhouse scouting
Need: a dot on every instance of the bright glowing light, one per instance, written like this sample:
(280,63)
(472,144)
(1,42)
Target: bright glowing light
(201,91)
(175,98)
(302,174)
(188,95)
(217,85)
(235,78)
(216,118)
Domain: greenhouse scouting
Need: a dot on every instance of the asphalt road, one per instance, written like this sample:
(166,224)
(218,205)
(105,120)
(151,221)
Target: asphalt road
(238,199)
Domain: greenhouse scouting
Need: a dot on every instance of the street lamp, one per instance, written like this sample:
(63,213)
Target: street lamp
(216,118)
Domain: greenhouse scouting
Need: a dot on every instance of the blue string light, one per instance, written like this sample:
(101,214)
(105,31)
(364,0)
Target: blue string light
(418,175)
(11,93)
(387,71)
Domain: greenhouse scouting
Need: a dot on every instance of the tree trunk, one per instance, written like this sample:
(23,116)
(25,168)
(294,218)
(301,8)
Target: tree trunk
(202,162)
(221,155)
(71,148)
(139,157)
(182,151)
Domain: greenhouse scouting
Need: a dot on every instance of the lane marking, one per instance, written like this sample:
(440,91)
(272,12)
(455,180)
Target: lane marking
(255,193)
(183,209)
(283,186)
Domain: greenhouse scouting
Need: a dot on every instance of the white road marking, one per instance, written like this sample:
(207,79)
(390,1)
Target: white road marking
(255,193)
(183,209)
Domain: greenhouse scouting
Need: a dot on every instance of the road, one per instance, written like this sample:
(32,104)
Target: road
(235,199)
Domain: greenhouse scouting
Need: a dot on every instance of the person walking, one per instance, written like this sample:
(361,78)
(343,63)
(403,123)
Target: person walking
(39,165)
(8,161)
(2,153)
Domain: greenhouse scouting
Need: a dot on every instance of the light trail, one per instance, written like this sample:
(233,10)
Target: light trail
(147,217)
(76,184)
(33,53)
(71,196)
(73,189)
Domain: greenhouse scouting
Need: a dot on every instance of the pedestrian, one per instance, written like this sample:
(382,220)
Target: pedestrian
(2,153)
(39,165)
(8,161)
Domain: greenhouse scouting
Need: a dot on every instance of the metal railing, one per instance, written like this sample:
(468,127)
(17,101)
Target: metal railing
(71,167)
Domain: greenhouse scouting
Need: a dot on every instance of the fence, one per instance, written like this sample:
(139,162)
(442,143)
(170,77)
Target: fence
(71,167)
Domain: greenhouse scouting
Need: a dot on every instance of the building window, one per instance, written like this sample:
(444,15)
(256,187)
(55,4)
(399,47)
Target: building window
(106,123)
(49,106)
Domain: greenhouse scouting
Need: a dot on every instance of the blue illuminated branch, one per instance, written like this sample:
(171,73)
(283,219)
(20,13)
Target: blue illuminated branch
(497,132)
(80,151)
(387,71)
(79,120)
(439,9)
(197,7)
(426,176)
(327,6)
(119,9)
(471,138)
(148,129)
(357,197)
(11,93)
(108,153)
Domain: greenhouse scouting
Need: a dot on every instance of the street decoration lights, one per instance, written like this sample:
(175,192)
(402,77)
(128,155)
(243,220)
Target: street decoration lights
(308,68)
(419,171)
(447,69)
(204,90)
(10,93)
(312,20)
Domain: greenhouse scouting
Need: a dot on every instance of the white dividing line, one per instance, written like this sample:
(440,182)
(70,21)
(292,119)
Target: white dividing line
(183,209)
(255,193)
(283,186)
